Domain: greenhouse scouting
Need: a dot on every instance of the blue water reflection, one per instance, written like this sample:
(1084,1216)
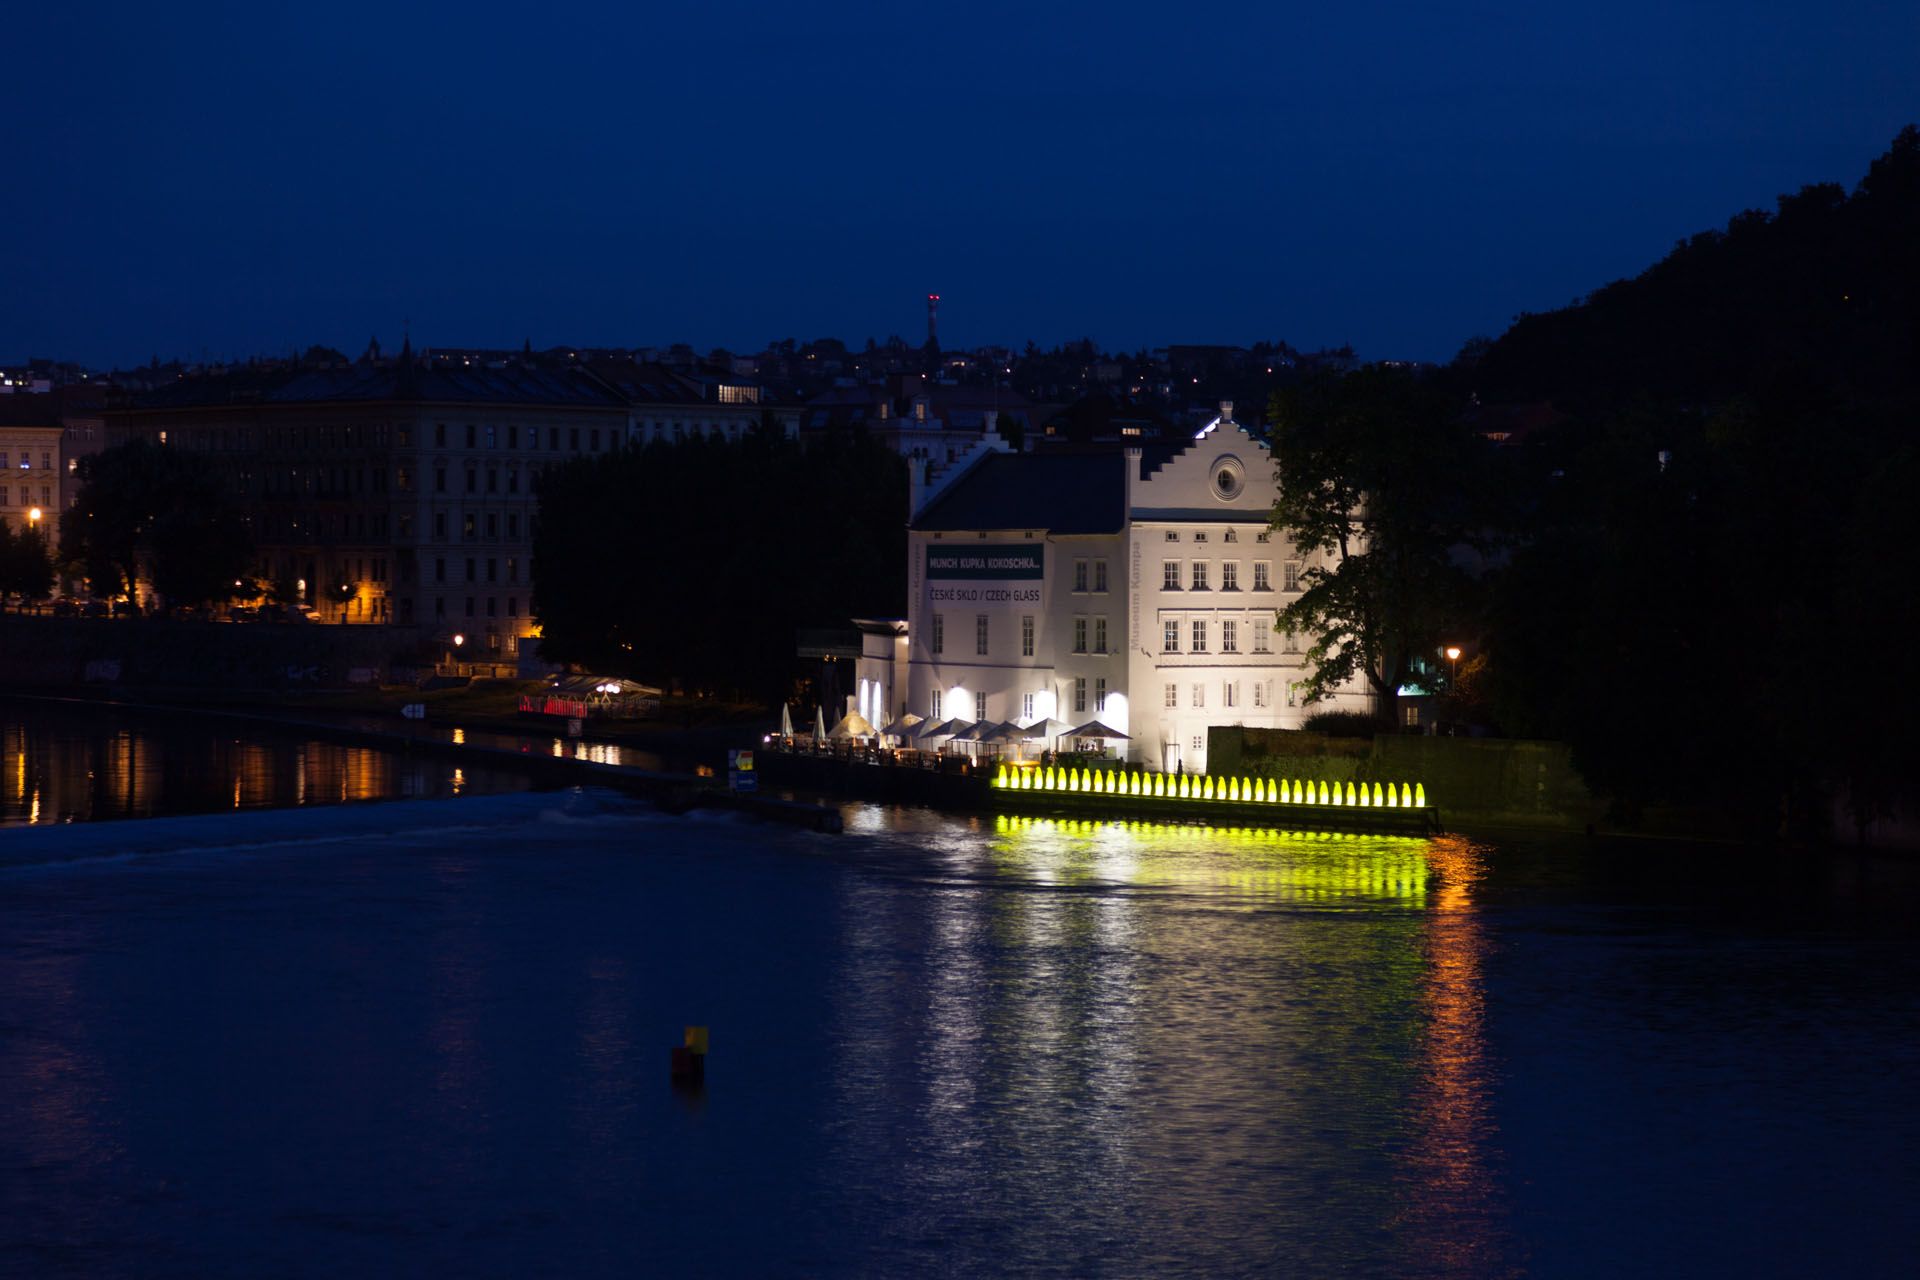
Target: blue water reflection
(431,1038)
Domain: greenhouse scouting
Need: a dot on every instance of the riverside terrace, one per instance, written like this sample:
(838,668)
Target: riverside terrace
(1096,791)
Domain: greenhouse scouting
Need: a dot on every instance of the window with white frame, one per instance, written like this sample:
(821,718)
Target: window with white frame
(1026,635)
(1170,575)
(934,706)
(1292,580)
(1099,575)
(1261,570)
(1199,742)
(1293,694)
(1259,693)
(1100,634)
(1199,635)
(1263,537)
(1172,696)
(1228,693)
(1172,536)
(1170,641)
(1229,575)
(979,706)
(1230,536)
(1229,636)
(1199,695)
(1080,693)
(939,639)
(1100,694)
(1200,537)
(1079,575)
(1026,706)
(1260,633)
(1080,634)
(1293,643)
(1199,575)
(980,634)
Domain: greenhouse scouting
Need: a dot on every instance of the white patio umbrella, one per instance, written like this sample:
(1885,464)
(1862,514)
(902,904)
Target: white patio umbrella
(786,721)
(852,725)
(819,723)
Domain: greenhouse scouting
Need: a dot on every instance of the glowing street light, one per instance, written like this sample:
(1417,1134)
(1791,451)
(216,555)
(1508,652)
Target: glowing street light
(33,516)
(1453,657)
(458,640)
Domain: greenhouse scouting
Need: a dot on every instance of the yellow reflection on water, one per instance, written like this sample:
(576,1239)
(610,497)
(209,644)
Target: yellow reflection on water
(459,737)
(1262,861)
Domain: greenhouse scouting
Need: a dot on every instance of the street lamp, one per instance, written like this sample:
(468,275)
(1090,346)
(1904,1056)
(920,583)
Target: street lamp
(33,517)
(1453,658)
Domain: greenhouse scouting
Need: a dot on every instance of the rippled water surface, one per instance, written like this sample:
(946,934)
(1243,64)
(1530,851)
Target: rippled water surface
(431,1037)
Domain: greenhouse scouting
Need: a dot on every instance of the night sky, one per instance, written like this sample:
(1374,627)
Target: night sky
(216,180)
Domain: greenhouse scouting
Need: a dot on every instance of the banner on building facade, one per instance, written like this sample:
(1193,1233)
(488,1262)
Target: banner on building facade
(1024,560)
(982,568)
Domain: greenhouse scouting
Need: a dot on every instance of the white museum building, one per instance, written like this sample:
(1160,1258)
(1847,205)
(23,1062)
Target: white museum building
(1135,589)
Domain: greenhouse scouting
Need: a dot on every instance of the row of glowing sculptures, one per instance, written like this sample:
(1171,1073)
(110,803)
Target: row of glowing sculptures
(1186,786)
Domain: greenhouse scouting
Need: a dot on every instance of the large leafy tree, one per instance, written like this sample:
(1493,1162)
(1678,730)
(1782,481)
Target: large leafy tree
(1376,473)
(26,565)
(698,561)
(159,514)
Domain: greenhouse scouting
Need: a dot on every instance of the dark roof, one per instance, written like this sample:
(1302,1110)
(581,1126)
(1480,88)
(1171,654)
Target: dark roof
(1059,492)
(515,384)
(27,409)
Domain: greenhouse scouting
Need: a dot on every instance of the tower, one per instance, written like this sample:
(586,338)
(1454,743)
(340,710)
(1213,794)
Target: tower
(933,320)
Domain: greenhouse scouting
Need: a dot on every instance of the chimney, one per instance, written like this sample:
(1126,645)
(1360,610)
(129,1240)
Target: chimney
(1226,414)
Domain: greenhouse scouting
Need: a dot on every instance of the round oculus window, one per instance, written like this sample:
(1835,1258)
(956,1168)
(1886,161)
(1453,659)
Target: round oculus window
(1229,478)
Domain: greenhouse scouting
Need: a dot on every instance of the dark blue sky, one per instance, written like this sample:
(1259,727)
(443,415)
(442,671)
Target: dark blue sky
(215,178)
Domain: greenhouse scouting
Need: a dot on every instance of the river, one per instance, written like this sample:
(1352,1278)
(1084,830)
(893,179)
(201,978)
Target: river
(430,1036)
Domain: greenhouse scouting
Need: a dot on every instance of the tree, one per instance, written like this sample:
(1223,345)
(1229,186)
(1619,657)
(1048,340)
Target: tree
(1377,475)
(26,564)
(697,561)
(159,514)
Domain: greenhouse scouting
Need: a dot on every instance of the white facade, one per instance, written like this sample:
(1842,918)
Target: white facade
(1159,627)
